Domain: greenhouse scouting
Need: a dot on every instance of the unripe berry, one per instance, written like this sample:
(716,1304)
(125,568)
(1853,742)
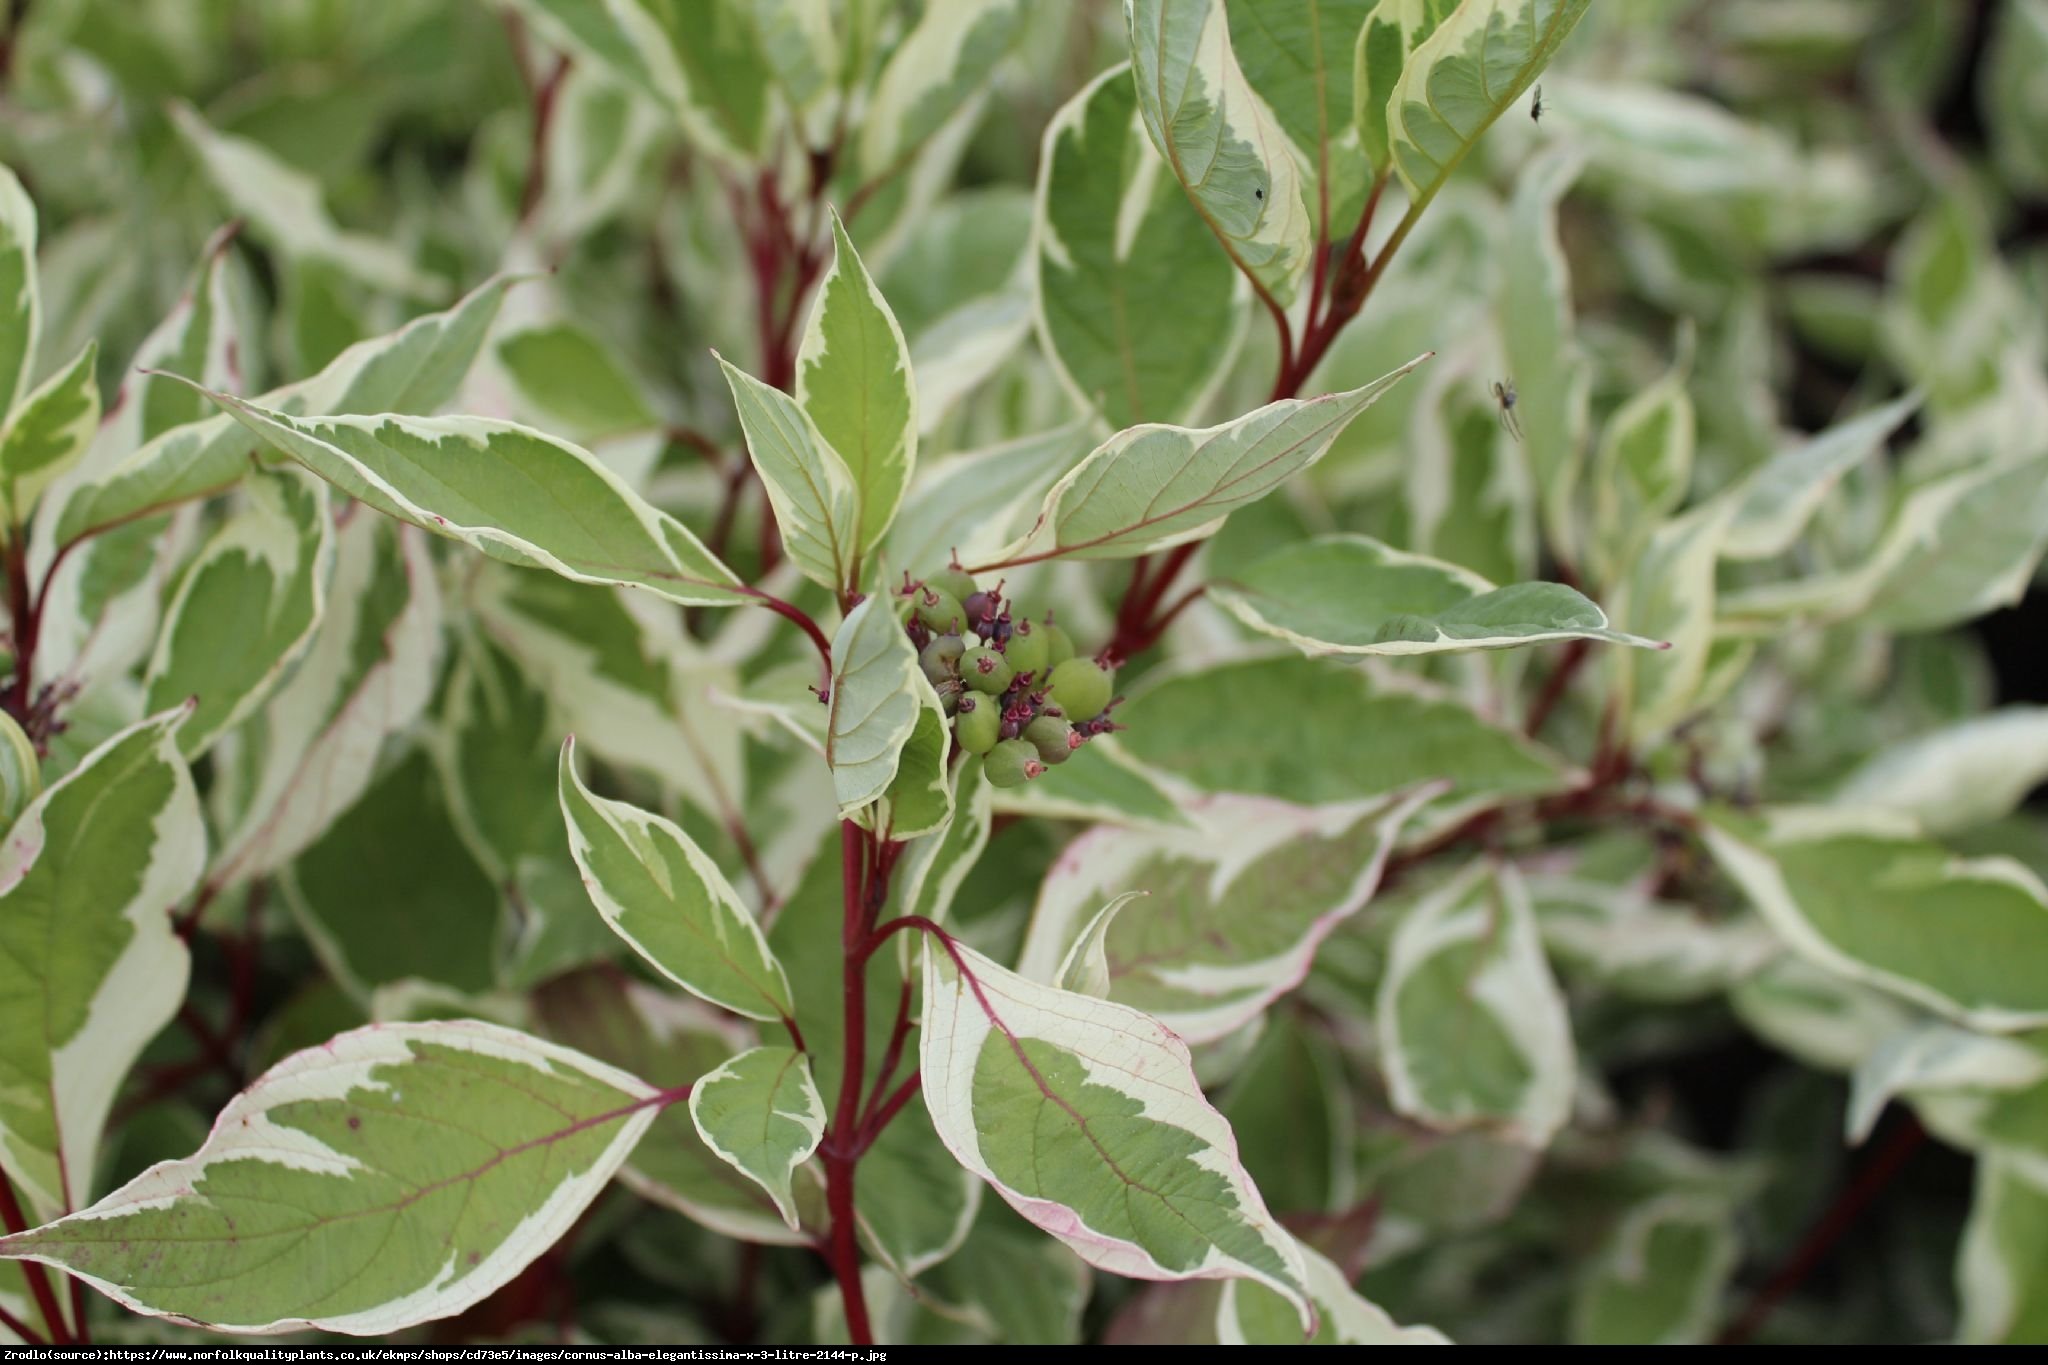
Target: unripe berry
(978,725)
(1027,650)
(1081,687)
(953,582)
(1059,646)
(950,691)
(1054,739)
(985,670)
(941,658)
(1012,763)
(940,611)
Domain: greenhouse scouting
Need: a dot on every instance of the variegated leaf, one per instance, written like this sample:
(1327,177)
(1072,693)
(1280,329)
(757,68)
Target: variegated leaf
(89,967)
(1860,893)
(1221,141)
(506,490)
(391,1176)
(1352,595)
(20,300)
(247,608)
(853,380)
(1473,1028)
(878,697)
(816,499)
(47,433)
(1086,1117)
(1152,487)
(1249,1314)
(1211,946)
(414,369)
(762,1114)
(665,897)
(1463,76)
(368,674)
(937,67)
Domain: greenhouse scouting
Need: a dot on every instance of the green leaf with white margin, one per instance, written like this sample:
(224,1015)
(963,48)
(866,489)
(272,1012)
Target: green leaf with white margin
(1643,467)
(21,771)
(1250,1314)
(89,967)
(669,1040)
(1820,1017)
(1085,970)
(1473,1028)
(1135,307)
(507,491)
(368,674)
(1153,487)
(624,676)
(920,797)
(1931,1059)
(247,607)
(1223,145)
(817,502)
(853,380)
(933,870)
(1966,774)
(1352,595)
(1212,946)
(283,207)
(1982,555)
(20,301)
(1394,29)
(1539,337)
(668,900)
(798,44)
(1101,783)
(1298,57)
(2002,1267)
(876,703)
(393,1175)
(1860,893)
(1670,595)
(1660,1279)
(48,432)
(2014,108)
(1086,1117)
(1779,499)
(762,1113)
(976,503)
(414,369)
(1344,735)
(936,69)
(389,892)
(1463,76)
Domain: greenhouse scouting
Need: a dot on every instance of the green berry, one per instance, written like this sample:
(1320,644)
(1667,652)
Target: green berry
(1052,737)
(941,658)
(1059,646)
(1081,687)
(985,670)
(978,725)
(950,691)
(1027,650)
(940,611)
(1012,763)
(953,582)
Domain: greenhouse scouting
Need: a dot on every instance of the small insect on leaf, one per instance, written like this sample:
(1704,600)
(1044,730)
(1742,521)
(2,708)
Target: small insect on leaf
(1536,105)
(1504,395)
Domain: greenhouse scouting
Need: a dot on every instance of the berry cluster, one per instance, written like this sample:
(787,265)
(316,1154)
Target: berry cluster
(1017,692)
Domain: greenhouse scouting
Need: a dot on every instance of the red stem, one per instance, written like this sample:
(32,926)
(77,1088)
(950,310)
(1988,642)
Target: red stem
(1877,1173)
(1555,686)
(544,97)
(35,1272)
(857,847)
(21,1329)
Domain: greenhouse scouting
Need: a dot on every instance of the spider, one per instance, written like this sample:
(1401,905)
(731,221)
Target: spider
(1504,394)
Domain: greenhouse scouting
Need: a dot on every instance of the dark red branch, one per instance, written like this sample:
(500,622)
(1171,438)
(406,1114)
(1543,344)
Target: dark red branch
(35,1272)
(1876,1175)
